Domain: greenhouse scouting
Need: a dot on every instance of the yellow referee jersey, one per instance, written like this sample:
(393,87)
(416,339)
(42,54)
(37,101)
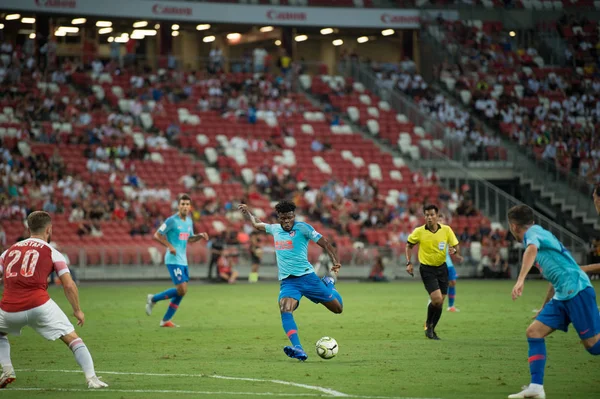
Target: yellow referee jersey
(433,246)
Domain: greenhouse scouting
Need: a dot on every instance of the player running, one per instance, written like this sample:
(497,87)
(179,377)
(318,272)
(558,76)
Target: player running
(174,234)
(452,276)
(570,299)
(296,274)
(26,267)
(435,242)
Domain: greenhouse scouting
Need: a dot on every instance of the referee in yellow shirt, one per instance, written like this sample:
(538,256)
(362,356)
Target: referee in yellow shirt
(434,240)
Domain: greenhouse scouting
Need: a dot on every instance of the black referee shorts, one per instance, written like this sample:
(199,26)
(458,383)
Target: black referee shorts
(254,259)
(435,278)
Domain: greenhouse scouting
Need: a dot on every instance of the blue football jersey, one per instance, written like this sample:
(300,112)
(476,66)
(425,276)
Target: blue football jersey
(449,262)
(177,232)
(291,248)
(556,263)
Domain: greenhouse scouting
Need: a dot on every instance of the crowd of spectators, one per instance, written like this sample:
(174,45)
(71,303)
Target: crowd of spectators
(102,130)
(553,111)
(462,128)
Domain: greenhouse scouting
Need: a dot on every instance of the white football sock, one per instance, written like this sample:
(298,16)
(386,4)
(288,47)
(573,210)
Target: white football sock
(83,357)
(5,353)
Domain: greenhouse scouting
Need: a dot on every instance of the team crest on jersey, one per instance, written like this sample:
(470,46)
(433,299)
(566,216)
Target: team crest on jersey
(292,233)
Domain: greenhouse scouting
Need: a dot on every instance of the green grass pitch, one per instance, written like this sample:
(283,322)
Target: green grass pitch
(235,331)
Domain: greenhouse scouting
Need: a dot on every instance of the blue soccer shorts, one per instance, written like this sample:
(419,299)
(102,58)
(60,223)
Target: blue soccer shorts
(581,310)
(308,285)
(179,273)
(452,276)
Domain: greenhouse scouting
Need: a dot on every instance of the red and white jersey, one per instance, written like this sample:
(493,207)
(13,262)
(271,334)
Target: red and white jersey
(26,267)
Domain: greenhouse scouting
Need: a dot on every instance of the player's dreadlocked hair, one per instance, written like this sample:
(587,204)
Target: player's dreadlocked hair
(285,206)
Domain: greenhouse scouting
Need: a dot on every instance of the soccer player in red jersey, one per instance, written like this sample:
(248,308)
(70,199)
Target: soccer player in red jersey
(25,268)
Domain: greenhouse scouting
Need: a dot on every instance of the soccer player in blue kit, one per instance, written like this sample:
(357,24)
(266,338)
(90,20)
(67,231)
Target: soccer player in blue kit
(452,276)
(570,299)
(175,233)
(296,274)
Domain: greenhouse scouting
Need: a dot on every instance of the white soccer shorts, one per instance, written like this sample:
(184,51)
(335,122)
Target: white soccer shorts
(47,319)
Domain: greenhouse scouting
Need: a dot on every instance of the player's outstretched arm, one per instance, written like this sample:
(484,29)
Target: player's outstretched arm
(198,237)
(526,265)
(593,268)
(326,245)
(72,295)
(163,240)
(257,224)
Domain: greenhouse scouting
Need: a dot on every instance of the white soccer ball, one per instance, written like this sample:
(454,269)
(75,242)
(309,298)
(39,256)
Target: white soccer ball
(327,347)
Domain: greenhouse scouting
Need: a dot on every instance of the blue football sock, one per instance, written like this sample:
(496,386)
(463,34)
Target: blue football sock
(172,307)
(290,328)
(170,293)
(451,295)
(595,350)
(537,359)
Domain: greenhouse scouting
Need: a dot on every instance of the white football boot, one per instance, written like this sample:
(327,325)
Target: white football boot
(95,383)
(149,304)
(530,391)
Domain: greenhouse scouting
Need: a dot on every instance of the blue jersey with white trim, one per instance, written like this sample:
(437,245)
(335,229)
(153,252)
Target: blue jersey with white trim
(556,263)
(177,231)
(291,248)
(449,259)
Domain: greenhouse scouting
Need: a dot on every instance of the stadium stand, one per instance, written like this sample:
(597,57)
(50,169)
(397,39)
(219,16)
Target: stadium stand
(552,109)
(123,142)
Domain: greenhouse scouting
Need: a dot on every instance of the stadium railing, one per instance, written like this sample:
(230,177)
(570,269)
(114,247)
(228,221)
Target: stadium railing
(488,198)
(575,189)
(404,104)
(143,263)
(139,264)
(495,203)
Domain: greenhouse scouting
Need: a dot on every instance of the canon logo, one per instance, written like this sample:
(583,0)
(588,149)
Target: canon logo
(399,19)
(286,16)
(159,9)
(56,3)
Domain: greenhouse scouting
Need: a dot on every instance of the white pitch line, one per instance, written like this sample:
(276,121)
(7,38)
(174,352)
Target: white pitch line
(90,391)
(327,392)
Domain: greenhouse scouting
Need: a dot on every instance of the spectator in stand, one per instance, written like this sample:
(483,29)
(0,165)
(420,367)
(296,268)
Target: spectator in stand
(376,274)
(466,208)
(2,239)
(284,62)
(493,264)
(316,146)
(216,245)
(225,266)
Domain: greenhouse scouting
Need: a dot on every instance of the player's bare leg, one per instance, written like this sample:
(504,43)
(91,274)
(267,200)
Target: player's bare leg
(287,307)
(592,344)
(451,286)
(8,372)
(182,289)
(336,305)
(84,359)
